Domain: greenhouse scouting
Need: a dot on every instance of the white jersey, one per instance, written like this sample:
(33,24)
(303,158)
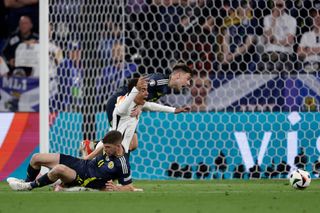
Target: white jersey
(124,123)
(311,39)
(27,55)
(285,25)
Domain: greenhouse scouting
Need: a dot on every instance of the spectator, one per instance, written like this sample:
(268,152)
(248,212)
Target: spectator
(69,76)
(3,67)
(27,59)
(199,36)
(111,34)
(136,6)
(239,39)
(197,97)
(23,34)
(309,48)
(17,8)
(119,67)
(114,75)
(279,32)
(55,54)
(149,35)
(3,24)
(199,92)
(55,59)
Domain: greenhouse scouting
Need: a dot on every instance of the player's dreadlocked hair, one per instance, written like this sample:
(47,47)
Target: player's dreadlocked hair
(132,83)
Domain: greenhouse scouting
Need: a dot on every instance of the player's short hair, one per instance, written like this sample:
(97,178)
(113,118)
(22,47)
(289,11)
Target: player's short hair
(182,66)
(112,137)
(132,83)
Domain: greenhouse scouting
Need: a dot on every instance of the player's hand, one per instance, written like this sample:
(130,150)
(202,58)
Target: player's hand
(136,111)
(182,109)
(58,188)
(142,82)
(110,186)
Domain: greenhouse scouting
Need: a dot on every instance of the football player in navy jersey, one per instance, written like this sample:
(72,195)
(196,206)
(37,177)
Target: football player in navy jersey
(97,173)
(158,86)
(127,124)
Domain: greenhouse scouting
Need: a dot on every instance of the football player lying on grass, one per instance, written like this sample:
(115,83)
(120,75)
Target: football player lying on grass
(94,174)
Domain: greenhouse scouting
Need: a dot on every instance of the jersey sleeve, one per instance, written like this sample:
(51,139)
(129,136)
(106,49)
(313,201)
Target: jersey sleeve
(292,24)
(158,86)
(125,179)
(304,41)
(122,107)
(157,79)
(267,22)
(150,106)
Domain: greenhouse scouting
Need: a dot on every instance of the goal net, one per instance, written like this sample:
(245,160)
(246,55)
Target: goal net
(254,95)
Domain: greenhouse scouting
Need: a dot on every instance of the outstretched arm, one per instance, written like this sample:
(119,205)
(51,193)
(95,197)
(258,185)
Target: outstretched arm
(150,106)
(123,107)
(97,151)
(110,186)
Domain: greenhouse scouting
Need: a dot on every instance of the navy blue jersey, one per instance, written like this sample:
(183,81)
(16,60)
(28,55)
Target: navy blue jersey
(157,87)
(97,172)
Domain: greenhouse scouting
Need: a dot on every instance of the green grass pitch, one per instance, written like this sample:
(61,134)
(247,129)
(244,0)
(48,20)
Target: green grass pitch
(171,196)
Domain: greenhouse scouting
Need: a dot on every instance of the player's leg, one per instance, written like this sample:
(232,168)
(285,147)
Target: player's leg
(62,172)
(48,160)
(38,160)
(134,142)
(66,174)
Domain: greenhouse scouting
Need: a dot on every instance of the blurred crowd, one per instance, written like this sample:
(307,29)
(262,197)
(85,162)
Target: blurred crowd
(225,38)
(95,46)
(19,38)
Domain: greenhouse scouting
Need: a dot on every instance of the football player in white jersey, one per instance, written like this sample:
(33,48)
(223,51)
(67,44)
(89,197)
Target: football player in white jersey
(125,121)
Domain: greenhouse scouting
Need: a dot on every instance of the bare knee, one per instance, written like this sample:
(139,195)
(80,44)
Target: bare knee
(35,160)
(58,170)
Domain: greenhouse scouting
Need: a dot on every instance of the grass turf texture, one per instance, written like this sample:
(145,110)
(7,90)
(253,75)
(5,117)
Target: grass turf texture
(171,196)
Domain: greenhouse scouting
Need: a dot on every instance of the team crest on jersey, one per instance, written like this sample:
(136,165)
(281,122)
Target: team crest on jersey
(152,82)
(110,165)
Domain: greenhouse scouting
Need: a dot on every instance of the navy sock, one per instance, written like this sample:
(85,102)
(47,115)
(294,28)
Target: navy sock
(31,173)
(42,181)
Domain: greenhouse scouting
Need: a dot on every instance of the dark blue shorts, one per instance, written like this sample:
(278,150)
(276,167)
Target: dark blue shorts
(79,165)
(81,168)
